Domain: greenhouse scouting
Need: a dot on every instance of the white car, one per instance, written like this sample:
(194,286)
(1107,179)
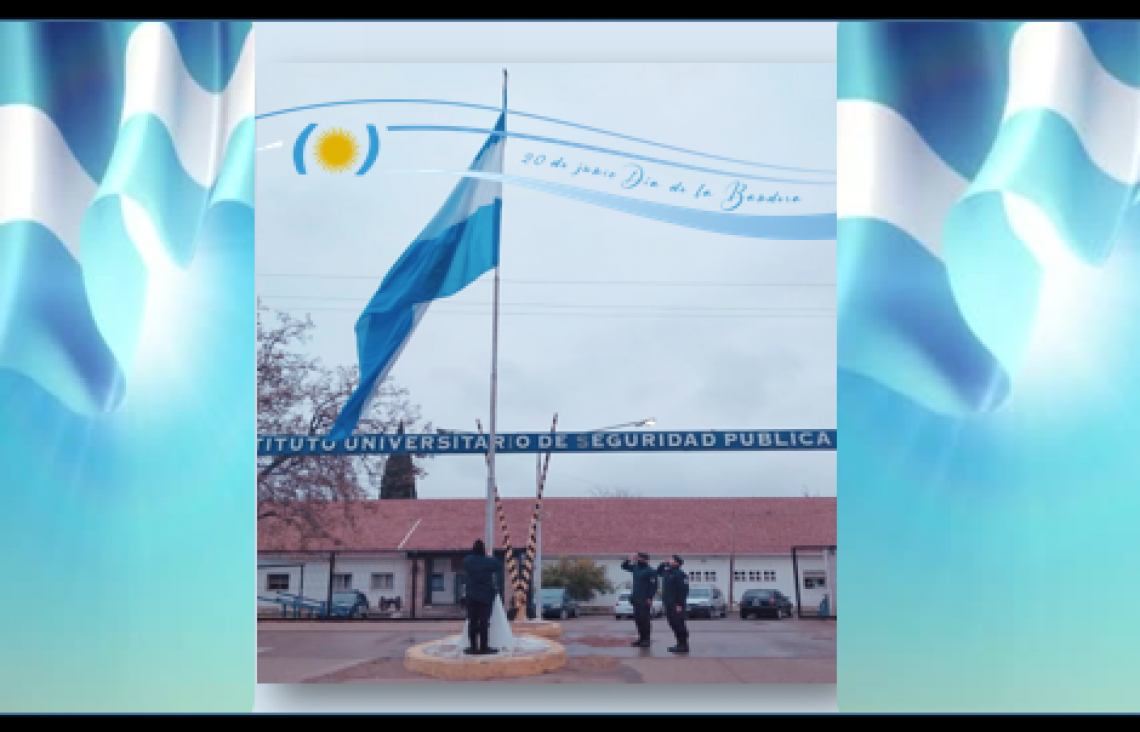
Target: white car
(622,608)
(706,601)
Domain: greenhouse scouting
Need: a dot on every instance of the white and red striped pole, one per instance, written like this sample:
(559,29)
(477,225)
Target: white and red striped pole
(532,543)
(512,563)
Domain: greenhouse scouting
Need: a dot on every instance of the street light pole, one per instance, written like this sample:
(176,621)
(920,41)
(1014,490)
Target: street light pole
(536,575)
(640,423)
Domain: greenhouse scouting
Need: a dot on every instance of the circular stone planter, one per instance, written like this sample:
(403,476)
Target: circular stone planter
(444,659)
(537,628)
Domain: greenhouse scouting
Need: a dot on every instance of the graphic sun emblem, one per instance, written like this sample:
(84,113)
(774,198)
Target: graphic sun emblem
(336,150)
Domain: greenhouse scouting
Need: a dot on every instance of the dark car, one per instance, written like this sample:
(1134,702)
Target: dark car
(349,604)
(556,603)
(765,603)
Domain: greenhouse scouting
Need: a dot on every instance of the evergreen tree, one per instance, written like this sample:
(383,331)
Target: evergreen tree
(399,480)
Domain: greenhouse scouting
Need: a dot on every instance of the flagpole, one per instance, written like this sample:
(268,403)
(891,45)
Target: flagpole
(490,519)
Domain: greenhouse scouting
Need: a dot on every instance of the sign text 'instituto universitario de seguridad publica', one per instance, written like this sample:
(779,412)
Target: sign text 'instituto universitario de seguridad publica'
(561,442)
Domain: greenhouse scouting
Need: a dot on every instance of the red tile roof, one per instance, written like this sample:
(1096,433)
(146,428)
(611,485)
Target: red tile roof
(576,526)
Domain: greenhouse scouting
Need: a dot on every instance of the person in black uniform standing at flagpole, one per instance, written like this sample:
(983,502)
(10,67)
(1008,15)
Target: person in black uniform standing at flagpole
(674,595)
(641,596)
(482,586)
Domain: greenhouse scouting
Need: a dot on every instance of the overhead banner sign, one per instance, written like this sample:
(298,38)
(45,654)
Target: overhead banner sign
(532,442)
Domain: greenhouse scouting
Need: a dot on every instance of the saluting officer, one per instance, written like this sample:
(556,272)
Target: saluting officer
(642,594)
(675,593)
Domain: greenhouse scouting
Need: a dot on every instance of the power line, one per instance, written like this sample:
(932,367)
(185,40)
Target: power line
(484,313)
(591,307)
(647,283)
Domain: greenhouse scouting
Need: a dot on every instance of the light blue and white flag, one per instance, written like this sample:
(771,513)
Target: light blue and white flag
(459,246)
(121,146)
(979,162)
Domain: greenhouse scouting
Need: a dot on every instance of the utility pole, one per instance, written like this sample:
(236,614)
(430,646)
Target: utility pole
(732,562)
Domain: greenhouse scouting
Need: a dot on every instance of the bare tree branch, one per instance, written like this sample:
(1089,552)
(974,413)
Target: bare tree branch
(297,394)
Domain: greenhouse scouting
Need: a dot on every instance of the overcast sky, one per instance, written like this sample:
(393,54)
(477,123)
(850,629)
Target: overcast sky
(752,347)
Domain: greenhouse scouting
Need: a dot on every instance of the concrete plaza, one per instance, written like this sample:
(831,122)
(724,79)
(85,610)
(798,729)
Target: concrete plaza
(723,651)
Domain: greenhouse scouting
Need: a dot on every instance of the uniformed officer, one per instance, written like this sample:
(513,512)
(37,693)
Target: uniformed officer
(482,587)
(642,594)
(675,593)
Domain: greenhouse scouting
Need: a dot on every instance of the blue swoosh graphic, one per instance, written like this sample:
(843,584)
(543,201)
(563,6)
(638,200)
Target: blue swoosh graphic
(373,150)
(807,227)
(631,156)
(299,148)
(527,115)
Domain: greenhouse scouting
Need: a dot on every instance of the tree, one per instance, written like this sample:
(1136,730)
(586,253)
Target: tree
(581,578)
(297,394)
(616,492)
(399,479)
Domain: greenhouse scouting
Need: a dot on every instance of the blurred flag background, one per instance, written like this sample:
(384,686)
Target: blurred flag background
(988,351)
(984,168)
(126,366)
(117,143)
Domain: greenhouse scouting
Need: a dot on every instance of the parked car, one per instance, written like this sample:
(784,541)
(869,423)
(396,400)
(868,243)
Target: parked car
(765,603)
(349,604)
(623,609)
(557,603)
(706,601)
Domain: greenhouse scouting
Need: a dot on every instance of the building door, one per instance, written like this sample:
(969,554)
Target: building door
(814,588)
(460,588)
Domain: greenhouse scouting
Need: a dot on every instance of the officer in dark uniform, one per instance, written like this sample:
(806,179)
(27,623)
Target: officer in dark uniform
(483,573)
(675,593)
(641,597)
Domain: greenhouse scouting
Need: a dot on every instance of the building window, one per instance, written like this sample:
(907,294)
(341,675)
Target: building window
(277,582)
(342,581)
(814,580)
(753,576)
(437,583)
(381,581)
(770,576)
(738,576)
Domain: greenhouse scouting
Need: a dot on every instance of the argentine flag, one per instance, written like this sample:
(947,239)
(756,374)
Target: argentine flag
(459,245)
(980,165)
(123,147)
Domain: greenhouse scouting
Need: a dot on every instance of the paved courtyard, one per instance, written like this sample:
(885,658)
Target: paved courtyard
(723,651)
